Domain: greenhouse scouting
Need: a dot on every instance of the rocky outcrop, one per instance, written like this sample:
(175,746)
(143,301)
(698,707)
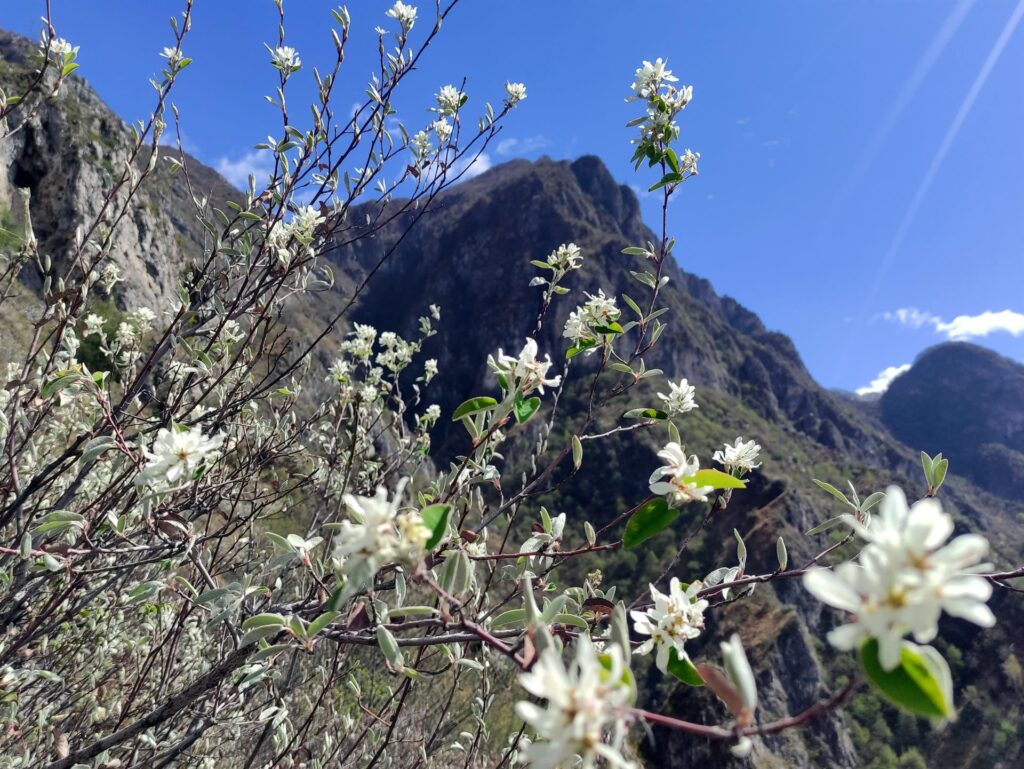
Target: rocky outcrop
(967,402)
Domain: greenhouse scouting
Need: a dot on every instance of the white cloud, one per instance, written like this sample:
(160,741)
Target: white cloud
(258,162)
(910,317)
(470,167)
(962,326)
(513,146)
(988,322)
(881,382)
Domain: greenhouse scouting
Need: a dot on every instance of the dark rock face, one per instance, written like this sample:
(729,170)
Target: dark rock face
(967,402)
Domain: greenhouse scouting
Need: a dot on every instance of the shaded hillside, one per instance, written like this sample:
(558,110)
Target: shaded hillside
(968,402)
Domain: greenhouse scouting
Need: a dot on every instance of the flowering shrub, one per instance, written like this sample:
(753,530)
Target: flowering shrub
(219,552)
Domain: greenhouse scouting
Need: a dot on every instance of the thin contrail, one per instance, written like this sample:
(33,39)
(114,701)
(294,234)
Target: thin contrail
(947,143)
(892,115)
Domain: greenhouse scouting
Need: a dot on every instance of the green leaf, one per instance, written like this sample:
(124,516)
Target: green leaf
(435,518)
(510,617)
(716,479)
(611,328)
(473,406)
(577,452)
(832,490)
(830,523)
(683,669)
(651,518)
(673,160)
(781,553)
(673,178)
(919,684)
(320,623)
(570,619)
(524,408)
(645,414)
(634,251)
(263,620)
(580,346)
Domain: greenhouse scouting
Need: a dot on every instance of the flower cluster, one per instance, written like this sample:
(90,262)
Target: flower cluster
(176,455)
(285,58)
(514,93)
(906,577)
(739,456)
(679,469)
(585,717)
(566,257)
(680,398)
(377,534)
(449,99)
(586,321)
(404,14)
(675,618)
(525,373)
(294,238)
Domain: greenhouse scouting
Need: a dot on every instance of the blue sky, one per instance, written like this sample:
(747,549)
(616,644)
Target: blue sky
(862,170)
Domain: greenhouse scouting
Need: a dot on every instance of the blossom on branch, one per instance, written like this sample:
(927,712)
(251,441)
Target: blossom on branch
(906,577)
(585,717)
(679,468)
(675,618)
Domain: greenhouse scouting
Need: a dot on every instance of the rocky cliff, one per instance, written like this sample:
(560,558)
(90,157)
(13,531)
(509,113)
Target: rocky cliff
(967,402)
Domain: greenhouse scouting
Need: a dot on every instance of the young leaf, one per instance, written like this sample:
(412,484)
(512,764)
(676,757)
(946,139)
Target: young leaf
(473,406)
(645,414)
(716,479)
(683,669)
(832,490)
(525,408)
(577,452)
(435,518)
(650,519)
(781,554)
(918,684)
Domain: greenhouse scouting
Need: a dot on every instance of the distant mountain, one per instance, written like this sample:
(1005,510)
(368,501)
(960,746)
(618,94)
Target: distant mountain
(968,402)
(471,256)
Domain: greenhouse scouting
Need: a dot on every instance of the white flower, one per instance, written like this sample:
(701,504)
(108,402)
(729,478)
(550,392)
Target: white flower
(566,257)
(377,534)
(285,58)
(93,325)
(688,162)
(433,412)
(403,14)
(525,373)
(585,717)
(583,324)
(173,56)
(110,276)
(678,467)
(429,369)
(143,318)
(421,146)
(443,129)
(675,618)
(515,93)
(177,453)
(680,397)
(649,78)
(360,345)
(61,48)
(906,577)
(449,99)
(741,456)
